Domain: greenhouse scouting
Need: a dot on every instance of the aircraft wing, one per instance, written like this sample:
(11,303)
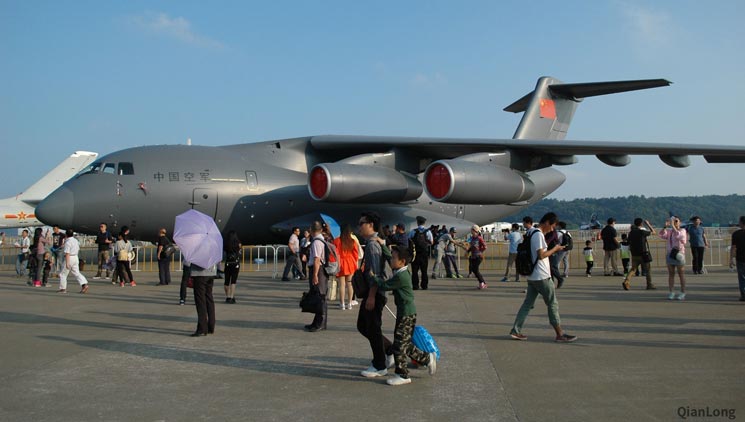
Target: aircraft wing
(550,152)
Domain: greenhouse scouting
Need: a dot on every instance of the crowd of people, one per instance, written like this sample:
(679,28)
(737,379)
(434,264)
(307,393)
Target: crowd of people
(392,260)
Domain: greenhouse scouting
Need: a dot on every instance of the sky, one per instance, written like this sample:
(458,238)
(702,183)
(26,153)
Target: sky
(104,76)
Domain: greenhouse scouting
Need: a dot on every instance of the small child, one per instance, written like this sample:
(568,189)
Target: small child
(625,253)
(589,259)
(48,261)
(403,294)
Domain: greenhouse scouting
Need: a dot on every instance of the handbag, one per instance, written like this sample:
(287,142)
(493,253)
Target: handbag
(675,253)
(359,285)
(312,302)
(123,255)
(646,255)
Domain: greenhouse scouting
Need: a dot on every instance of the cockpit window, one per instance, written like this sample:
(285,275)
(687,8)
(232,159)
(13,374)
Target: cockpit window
(92,169)
(126,168)
(109,168)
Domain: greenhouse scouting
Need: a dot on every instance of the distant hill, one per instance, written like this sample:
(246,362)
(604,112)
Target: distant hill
(713,209)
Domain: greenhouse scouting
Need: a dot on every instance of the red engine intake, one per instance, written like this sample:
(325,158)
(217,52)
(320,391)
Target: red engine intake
(468,182)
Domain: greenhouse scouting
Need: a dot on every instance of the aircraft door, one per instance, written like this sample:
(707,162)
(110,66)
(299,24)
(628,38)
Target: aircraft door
(205,201)
(461,212)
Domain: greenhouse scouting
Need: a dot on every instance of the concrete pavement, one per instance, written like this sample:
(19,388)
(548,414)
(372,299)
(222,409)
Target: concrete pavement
(124,354)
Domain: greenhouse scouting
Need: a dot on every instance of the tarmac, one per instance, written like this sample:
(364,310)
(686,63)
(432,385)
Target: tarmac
(125,354)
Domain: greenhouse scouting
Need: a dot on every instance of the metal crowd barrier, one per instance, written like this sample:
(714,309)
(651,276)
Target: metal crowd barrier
(262,258)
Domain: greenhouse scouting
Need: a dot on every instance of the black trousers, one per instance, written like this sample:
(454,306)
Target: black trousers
(474,262)
(164,271)
(292,262)
(121,271)
(698,258)
(205,304)
(231,273)
(369,324)
(419,264)
(320,320)
(185,274)
(451,263)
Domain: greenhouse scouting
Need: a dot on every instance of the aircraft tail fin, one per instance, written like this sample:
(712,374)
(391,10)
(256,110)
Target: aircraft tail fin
(549,108)
(55,178)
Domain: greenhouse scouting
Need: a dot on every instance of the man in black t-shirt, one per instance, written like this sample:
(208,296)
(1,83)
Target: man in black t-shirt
(103,240)
(737,256)
(638,246)
(164,261)
(610,247)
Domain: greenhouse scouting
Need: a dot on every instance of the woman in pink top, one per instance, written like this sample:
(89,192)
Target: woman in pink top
(347,247)
(676,240)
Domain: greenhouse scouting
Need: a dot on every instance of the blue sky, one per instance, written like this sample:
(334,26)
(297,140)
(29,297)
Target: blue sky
(103,76)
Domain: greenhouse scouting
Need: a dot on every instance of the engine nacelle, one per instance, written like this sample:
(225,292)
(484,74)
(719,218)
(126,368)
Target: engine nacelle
(342,182)
(465,182)
(677,161)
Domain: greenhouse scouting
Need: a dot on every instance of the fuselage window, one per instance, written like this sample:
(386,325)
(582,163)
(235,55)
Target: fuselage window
(109,168)
(126,168)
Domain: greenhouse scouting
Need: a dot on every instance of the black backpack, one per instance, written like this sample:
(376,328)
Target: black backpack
(567,241)
(421,243)
(524,260)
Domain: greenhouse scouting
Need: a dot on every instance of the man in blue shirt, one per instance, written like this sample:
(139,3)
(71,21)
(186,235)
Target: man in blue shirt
(698,242)
(515,238)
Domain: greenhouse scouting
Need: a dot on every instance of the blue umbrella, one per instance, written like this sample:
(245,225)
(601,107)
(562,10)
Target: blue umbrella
(198,238)
(332,225)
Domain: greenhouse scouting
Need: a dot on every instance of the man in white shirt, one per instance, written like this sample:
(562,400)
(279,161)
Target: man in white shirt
(317,277)
(22,262)
(292,261)
(539,282)
(71,249)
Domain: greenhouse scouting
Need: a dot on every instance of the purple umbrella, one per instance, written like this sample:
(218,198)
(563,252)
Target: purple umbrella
(198,237)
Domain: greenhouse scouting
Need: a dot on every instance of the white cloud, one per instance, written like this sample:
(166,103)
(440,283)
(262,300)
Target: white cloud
(650,28)
(178,28)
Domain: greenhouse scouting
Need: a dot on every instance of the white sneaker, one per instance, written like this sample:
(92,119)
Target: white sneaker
(371,372)
(349,306)
(354,303)
(432,366)
(681,296)
(390,361)
(397,380)
(671,296)
(342,306)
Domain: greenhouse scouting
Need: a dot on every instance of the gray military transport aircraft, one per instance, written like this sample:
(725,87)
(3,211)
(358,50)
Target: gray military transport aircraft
(263,189)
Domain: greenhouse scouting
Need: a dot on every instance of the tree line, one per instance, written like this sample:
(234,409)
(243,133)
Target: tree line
(722,210)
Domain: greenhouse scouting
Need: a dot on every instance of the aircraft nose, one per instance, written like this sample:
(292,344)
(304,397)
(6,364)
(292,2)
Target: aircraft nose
(57,208)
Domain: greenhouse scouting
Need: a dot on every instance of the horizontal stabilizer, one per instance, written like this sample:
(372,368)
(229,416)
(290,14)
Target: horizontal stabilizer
(593,89)
(589,89)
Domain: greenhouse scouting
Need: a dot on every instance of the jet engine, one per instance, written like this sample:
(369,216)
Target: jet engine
(466,182)
(342,182)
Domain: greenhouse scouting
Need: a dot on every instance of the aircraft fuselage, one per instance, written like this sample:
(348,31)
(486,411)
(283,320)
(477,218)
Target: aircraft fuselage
(260,190)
